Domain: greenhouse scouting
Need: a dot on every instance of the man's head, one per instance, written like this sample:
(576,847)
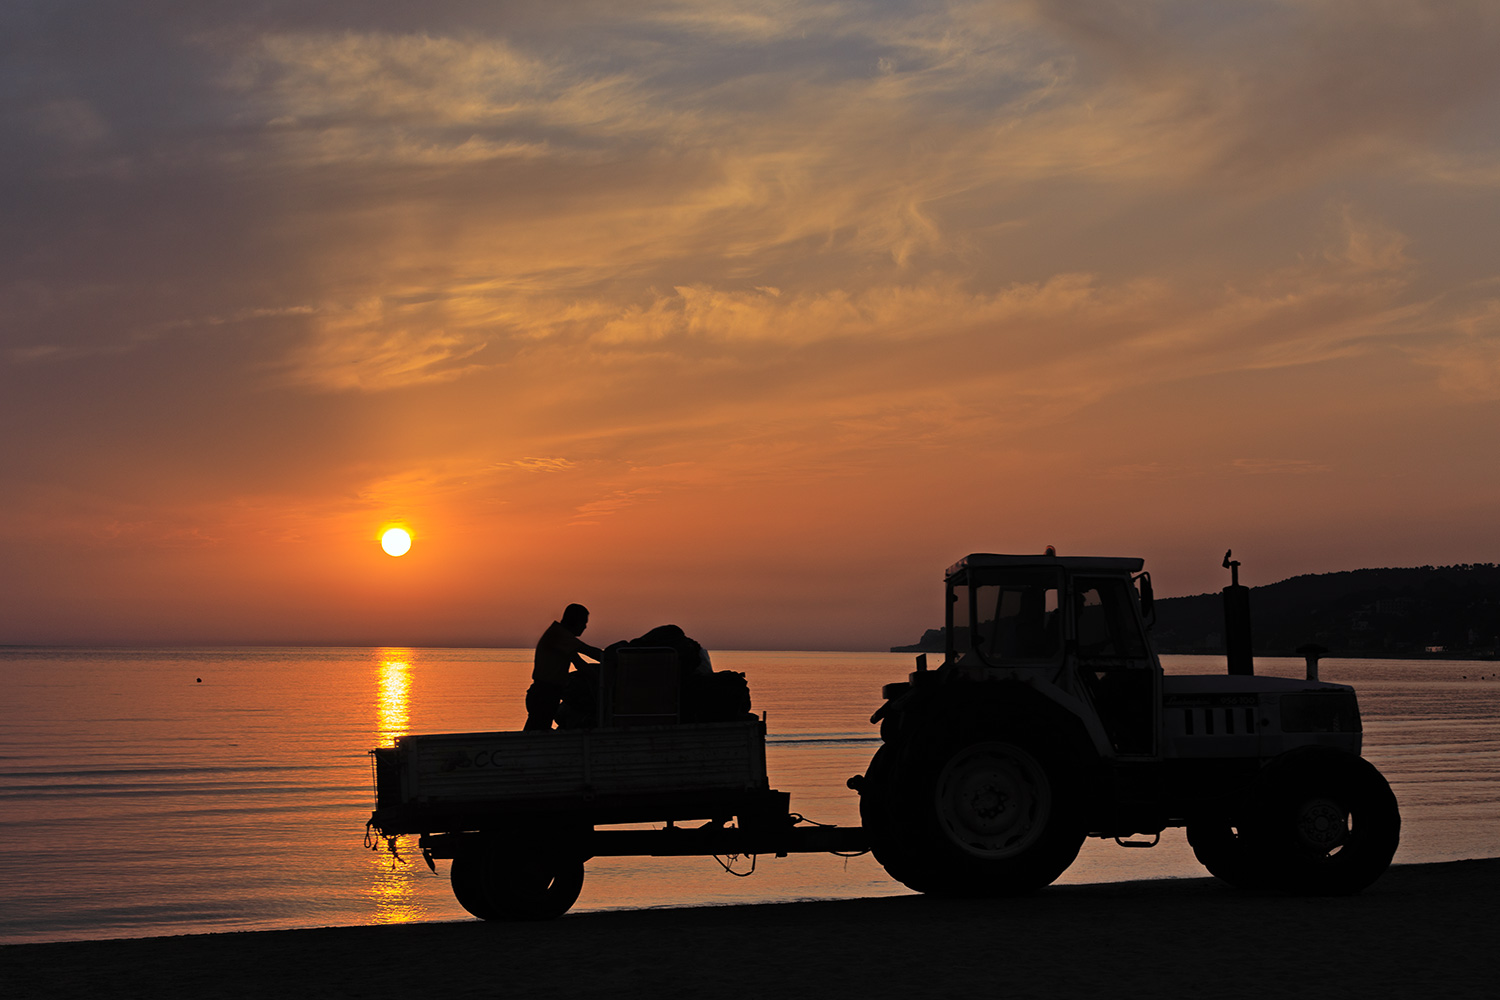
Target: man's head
(575,618)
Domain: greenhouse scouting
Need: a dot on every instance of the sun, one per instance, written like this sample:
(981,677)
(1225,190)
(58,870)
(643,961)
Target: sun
(396,541)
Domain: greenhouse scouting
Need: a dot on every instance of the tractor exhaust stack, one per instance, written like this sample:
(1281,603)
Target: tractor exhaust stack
(1237,621)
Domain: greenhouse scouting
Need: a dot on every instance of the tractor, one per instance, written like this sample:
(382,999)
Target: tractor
(1050,720)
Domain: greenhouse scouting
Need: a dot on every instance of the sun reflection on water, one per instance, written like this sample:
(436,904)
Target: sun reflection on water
(389,890)
(393,713)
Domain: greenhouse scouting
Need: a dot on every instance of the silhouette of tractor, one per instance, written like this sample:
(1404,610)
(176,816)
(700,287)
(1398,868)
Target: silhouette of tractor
(1050,720)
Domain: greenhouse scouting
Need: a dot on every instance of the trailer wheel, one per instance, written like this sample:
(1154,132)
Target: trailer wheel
(466,875)
(1324,821)
(984,816)
(496,885)
(1219,847)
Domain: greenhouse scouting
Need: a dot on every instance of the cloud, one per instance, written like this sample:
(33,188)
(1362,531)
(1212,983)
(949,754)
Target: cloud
(539,464)
(1369,245)
(1465,353)
(1277,466)
(618,500)
(1353,294)
(379,345)
(74,122)
(1271,92)
(1181,471)
(417,99)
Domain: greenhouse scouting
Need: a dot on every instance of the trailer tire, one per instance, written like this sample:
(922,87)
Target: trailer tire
(466,876)
(1324,821)
(496,885)
(990,813)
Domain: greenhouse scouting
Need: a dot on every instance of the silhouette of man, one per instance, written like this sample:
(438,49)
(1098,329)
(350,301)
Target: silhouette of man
(557,650)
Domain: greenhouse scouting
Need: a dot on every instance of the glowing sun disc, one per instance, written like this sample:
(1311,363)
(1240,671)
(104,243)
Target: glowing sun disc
(396,542)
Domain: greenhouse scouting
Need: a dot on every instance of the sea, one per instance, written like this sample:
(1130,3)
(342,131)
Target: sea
(149,792)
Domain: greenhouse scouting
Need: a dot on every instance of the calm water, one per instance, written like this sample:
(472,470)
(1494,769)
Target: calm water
(136,800)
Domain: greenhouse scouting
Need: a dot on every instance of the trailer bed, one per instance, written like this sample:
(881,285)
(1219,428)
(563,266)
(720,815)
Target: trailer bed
(467,781)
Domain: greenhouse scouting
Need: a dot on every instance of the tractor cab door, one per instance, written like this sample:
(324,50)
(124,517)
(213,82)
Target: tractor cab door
(1115,663)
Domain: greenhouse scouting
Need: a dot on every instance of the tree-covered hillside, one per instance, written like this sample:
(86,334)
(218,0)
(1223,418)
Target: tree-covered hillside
(1428,610)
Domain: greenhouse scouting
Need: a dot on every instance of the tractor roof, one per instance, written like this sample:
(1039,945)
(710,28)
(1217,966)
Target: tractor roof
(1073,564)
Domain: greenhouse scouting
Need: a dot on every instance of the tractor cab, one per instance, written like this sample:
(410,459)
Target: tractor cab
(1075,623)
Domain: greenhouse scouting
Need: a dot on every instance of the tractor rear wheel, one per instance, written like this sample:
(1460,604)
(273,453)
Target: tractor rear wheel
(992,814)
(1324,822)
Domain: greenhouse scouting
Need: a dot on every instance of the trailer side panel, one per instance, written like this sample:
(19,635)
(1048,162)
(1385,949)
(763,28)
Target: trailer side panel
(435,782)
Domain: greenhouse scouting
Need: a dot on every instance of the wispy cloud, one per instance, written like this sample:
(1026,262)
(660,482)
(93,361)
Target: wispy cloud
(1178,472)
(539,464)
(375,346)
(589,513)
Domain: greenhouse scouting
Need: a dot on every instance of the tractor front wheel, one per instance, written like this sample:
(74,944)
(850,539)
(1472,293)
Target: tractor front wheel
(1219,847)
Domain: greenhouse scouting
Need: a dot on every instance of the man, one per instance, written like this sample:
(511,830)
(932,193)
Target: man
(557,650)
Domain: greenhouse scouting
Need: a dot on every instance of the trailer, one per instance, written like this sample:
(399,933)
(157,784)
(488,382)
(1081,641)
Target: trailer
(519,813)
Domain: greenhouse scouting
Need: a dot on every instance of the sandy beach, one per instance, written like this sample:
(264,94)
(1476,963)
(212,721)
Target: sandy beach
(1422,930)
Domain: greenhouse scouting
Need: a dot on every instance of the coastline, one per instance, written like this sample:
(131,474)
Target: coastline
(1421,929)
(1462,655)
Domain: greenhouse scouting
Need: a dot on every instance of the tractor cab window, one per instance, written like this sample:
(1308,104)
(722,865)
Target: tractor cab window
(1107,627)
(1014,619)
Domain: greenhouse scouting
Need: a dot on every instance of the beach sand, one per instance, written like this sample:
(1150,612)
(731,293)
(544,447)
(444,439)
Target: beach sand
(1420,931)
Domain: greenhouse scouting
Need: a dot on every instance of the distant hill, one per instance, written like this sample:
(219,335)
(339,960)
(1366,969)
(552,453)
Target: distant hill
(931,642)
(1426,610)
(1449,611)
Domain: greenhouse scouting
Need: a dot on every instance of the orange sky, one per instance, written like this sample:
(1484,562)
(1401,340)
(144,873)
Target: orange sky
(748,317)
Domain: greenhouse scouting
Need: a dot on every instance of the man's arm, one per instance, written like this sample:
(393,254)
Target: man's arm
(575,645)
